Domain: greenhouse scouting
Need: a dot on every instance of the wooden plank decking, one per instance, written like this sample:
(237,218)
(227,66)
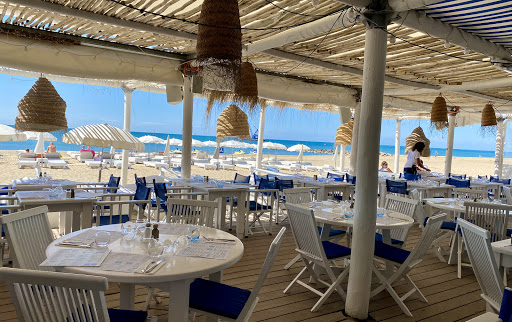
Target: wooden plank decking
(449,298)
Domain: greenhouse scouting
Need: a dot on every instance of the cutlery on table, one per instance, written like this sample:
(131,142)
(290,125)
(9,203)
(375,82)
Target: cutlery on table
(151,266)
(213,240)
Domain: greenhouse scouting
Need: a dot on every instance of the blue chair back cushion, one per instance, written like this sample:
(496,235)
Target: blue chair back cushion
(140,180)
(506,306)
(257,178)
(391,253)
(284,184)
(396,187)
(498,180)
(113,182)
(217,298)
(241,179)
(142,193)
(335,177)
(351,179)
(458,183)
(117,315)
(267,184)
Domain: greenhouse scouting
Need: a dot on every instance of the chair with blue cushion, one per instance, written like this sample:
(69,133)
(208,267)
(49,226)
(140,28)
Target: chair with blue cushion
(335,177)
(404,206)
(403,261)
(106,209)
(160,201)
(113,182)
(140,180)
(457,176)
(257,178)
(457,183)
(482,177)
(227,302)
(261,201)
(313,250)
(33,296)
(351,179)
(396,187)
(241,179)
(505,310)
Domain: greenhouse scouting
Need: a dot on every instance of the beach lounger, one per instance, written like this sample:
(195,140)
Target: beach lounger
(207,166)
(226,166)
(57,163)
(137,159)
(29,163)
(85,155)
(119,164)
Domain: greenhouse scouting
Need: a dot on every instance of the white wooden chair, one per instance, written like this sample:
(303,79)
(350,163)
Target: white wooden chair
(261,201)
(315,252)
(403,261)
(225,302)
(304,195)
(481,255)
(491,217)
(189,211)
(507,194)
(405,206)
(58,297)
(28,234)
(468,193)
(505,310)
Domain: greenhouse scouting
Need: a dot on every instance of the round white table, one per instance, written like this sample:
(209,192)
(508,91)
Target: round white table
(174,276)
(503,254)
(448,204)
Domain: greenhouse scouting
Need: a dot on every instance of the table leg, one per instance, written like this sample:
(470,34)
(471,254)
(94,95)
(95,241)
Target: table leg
(326,229)
(386,238)
(216,277)
(383,193)
(76,220)
(241,215)
(127,296)
(65,222)
(322,195)
(86,220)
(178,300)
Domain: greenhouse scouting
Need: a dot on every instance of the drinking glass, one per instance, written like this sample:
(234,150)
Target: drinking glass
(102,239)
(180,244)
(155,249)
(380,212)
(193,233)
(128,230)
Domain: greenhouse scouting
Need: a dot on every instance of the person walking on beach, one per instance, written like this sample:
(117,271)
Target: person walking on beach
(413,159)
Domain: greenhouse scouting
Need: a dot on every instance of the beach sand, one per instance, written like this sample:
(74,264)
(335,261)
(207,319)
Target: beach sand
(80,172)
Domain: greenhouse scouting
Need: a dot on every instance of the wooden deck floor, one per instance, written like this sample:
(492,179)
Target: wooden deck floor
(449,298)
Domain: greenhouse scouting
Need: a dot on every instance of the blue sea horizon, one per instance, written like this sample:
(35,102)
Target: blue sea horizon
(314,145)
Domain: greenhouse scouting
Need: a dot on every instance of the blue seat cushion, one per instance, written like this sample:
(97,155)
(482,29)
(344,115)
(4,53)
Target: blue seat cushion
(378,238)
(449,225)
(163,205)
(105,220)
(391,253)
(117,315)
(509,232)
(253,205)
(217,298)
(333,250)
(332,232)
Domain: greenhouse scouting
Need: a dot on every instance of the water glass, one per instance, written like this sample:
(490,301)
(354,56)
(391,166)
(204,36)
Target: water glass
(155,249)
(102,239)
(128,230)
(380,212)
(180,244)
(193,233)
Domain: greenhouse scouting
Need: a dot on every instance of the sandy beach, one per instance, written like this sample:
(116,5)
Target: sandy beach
(80,172)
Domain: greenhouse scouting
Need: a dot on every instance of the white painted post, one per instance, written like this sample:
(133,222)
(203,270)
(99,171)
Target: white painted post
(127,120)
(449,145)
(504,137)
(261,130)
(397,145)
(499,147)
(188,109)
(343,149)
(363,240)
(355,137)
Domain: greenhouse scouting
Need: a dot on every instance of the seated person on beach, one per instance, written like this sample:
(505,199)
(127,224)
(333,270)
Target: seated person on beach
(27,150)
(88,149)
(414,162)
(384,167)
(51,148)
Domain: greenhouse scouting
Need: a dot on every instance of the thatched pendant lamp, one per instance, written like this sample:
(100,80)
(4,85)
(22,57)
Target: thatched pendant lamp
(489,116)
(232,122)
(417,135)
(246,87)
(41,109)
(219,34)
(439,113)
(344,134)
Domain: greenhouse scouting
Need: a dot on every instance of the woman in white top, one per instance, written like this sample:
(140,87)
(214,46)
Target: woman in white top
(413,159)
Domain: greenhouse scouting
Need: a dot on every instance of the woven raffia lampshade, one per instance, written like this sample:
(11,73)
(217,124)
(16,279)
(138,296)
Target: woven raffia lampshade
(418,135)
(41,109)
(219,45)
(344,134)
(232,122)
(489,116)
(246,87)
(439,113)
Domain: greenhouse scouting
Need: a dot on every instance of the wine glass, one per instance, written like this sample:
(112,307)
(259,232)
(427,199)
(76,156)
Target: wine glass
(180,244)
(155,249)
(102,239)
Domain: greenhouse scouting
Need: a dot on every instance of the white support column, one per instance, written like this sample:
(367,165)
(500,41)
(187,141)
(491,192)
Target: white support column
(343,149)
(449,145)
(363,240)
(261,130)
(499,147)
(355,138)
(505,123)
(397,145)
(127,120)
(188,109)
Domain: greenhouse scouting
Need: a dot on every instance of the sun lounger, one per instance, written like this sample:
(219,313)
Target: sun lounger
(226,166)
(137,159)
(85,155)
(57,163)
(119,164)
(52,155)
(29,163)
(207,166)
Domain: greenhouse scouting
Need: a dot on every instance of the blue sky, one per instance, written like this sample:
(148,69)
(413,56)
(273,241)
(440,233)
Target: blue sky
(88,104)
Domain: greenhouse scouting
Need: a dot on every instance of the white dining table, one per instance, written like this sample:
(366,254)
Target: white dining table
(174,276)
(503,254)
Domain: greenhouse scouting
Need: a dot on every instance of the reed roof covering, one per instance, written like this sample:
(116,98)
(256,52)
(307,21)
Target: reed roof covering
(170,27)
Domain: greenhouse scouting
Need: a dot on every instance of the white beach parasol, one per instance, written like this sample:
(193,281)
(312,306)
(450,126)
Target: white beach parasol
(151,139)
(39,149)
(197,143)
(47,136)
(167,150)
(274,146)
(299,148)
(8,133)
(212,144)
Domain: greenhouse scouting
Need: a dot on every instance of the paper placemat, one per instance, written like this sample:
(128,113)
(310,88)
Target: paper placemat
(203,249)
(124,262)
(34,194)
(77,257)
(172,229)
(88,236)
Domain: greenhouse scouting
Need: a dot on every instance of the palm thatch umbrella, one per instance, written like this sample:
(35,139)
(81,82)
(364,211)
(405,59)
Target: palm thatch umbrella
(418,135)
(344,134)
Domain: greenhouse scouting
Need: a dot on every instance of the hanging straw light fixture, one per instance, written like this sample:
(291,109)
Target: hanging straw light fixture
(219,36)
(439,113)
(417,135)
(41,109)
(488,116)
(246,87)
(232,122)
(344,134)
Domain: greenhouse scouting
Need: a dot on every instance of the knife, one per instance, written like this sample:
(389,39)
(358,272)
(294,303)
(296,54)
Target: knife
(153,267)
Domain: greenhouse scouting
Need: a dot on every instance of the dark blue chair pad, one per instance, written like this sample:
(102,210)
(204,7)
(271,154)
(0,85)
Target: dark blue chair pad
(449,225)
(217,298)
(378,238)
(163,205)
(117,315)
(253,205)
(5,212)
(333,250)
(509,232)
(394,254)
(105,220)
(332,232)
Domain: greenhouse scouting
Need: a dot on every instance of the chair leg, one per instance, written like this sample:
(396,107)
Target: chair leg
(415,288)
(293,261)
(295,279)
(459,258)
(151,293)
